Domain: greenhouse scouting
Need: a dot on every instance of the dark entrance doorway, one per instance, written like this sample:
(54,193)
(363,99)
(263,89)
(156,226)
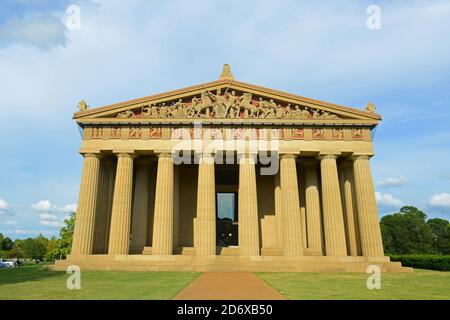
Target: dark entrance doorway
(227,219)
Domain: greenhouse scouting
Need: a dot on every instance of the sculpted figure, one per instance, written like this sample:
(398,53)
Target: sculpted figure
(220,105)
(82,105)
(230,105)
(315,114)
(178,109)
(370,108)
(305,113)
(249,109)
(126,115)
(203,107)
(150,112)
(163,111)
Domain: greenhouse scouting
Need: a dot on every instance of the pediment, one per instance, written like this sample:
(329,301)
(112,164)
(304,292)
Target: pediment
(228,101)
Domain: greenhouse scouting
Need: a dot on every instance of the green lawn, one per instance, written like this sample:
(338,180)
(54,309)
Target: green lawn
(421,284)
(36,283)
(33,282)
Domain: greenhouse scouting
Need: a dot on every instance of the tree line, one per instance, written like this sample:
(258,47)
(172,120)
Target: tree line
(40,247)
(405,232)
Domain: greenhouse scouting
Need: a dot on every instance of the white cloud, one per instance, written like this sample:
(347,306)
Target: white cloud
(43,206)
(392,182)
(3,206)
(10,222)
(69,208)
(52,224)
(387,200)
(50,214)
(43,31)
(440,200)
(32,232)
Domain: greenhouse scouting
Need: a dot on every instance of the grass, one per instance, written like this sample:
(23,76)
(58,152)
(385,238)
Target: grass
(35,283)
(419,285)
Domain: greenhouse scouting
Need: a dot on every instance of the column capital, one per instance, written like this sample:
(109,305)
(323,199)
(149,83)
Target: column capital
(288,156)
(125,155)
(92,155)
(360,157)
(327,156)
(164,155)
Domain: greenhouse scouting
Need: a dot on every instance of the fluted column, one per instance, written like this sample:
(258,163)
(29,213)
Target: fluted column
(371,243)
(292,227)
(206,207)
(119,238)
(112,182)
(83,237)
(312,199)
(350,212)
(103,208)
(248,207)
(333,220)
(279,210)
(140,207)
(162,243)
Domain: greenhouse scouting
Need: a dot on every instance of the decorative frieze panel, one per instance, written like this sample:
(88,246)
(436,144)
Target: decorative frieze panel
(227,133)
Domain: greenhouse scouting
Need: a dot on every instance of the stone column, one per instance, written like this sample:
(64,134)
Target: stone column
(350,212)
(371,243)
(83,237)
(103,208)
(279,210)
(333,220)
(119,238)
(248,207)
(312,197)
(206,207)
(140,207)
(292,234)
(162,243)
(112,181)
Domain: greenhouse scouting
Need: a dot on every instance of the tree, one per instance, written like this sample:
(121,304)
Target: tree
(440,231)
(406,232)
(64,243)
(6,244)
(17,251)
(35,248)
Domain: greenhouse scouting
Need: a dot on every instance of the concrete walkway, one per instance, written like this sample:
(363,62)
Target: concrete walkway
(229,286)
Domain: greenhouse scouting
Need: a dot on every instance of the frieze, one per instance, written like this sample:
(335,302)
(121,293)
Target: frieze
(217,133)
(228,105)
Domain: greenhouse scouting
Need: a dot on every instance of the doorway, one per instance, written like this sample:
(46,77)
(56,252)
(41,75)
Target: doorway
(227,219)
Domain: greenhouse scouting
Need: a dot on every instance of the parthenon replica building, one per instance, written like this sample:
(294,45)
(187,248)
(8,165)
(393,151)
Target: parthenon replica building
(227,176)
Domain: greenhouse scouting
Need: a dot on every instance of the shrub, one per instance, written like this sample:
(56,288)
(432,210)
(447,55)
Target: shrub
(424,261)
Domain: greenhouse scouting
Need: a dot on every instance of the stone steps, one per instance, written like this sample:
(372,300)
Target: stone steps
(228,263)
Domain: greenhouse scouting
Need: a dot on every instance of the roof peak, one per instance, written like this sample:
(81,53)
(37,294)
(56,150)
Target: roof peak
(226,73)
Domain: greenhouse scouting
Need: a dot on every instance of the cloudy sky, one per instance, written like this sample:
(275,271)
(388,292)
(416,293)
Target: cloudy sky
(122,50)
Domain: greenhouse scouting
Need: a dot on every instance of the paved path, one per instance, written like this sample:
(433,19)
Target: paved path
(228,286)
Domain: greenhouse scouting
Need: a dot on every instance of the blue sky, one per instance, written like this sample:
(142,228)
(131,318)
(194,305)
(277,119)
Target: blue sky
(126,50)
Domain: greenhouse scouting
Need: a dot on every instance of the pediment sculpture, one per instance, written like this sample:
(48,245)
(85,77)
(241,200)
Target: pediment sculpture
(227,106)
